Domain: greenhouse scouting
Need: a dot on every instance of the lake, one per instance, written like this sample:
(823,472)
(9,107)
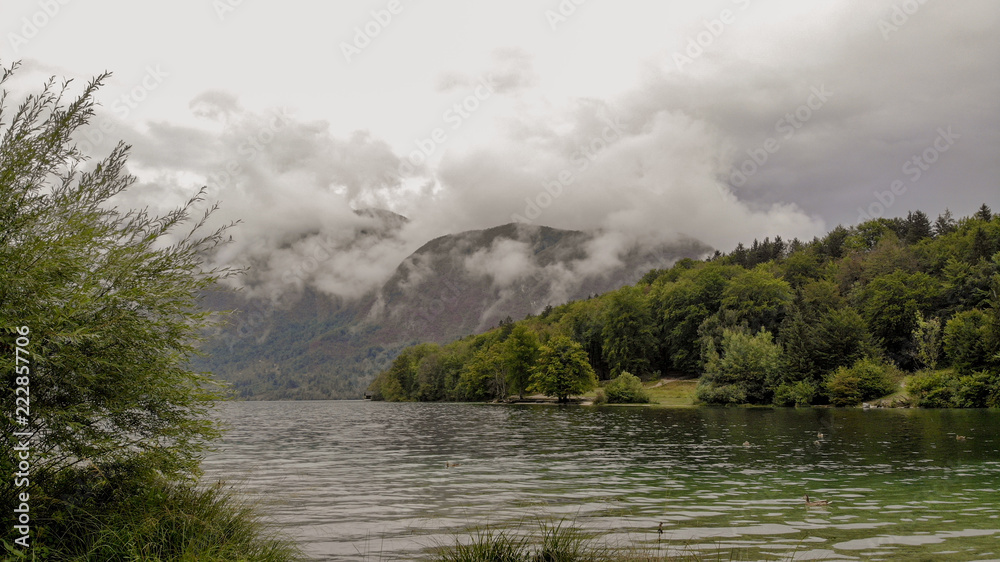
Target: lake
(355,480)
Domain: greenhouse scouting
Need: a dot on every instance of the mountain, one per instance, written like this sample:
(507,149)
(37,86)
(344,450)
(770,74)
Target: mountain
(306,344)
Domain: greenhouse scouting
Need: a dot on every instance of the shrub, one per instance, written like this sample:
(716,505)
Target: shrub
(801,393)
(600,398)
(934,389)
(127,511)
(867,379)
(948,389)
(626,389)
(744,371)
(978,390)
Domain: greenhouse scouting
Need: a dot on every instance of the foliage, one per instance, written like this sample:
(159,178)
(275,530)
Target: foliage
(867,379)
(801,393)
(744,371)
(948,389)
(520,352)
(562,369)
(628,331)
(626,389)
(127,511)
(927,339)
(887,289)
(890,303)
(966,341)
(108,300)
(107,304)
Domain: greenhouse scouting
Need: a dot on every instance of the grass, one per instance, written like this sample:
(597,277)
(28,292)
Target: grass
(135,515)
(665,392)
(672,392)
(556,542)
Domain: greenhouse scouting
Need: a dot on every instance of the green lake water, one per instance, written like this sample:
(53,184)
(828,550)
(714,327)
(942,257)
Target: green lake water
(370,481)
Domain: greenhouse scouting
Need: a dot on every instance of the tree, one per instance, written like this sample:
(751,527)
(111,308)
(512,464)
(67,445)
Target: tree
(562,370)
(684,306)
(927,337)
(984,213)
(966,341)
(746,371)
(520,353)
(485,375)
(890,304)
(757,298)
(107,301)
(918,227)
(628,332)
(945,224)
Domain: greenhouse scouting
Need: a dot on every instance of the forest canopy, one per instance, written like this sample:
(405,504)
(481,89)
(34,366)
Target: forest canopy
(836,320)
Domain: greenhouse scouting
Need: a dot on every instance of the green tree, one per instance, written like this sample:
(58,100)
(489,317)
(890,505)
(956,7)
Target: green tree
(520,353)
(485,375)
(966,341)
(928,342)
(107,300)
(684,306)
(746,370)
(562,370)
(945,224)
(628,331)
(758,298)
(984,213)
(890,304)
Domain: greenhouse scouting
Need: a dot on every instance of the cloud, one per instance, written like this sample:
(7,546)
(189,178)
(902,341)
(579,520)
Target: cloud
(655,162)
(511,70)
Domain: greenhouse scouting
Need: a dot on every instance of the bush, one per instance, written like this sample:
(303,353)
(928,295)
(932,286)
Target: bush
(127,511)
(744,371)
(978,390)
(600,398)
(801,393)
(934,389)
(867,379)
(948,389)
(626,389)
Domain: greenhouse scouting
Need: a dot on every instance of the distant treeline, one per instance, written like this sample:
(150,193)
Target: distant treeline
(838,320)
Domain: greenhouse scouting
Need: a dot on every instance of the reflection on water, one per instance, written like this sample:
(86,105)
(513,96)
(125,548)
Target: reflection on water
(352,480)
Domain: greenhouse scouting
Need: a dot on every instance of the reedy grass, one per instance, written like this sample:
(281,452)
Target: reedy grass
(553,542)
(143,517)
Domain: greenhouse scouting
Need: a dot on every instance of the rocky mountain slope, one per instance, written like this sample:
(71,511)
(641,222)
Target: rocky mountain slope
(308,345)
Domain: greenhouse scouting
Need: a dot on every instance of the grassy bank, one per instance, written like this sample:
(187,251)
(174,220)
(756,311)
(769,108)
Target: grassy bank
(128,514)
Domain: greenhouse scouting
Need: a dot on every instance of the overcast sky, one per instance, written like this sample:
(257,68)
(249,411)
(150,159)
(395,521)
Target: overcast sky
(722,120)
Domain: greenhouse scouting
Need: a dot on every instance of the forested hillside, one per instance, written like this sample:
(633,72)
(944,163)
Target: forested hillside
(839,320)
(305,344)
